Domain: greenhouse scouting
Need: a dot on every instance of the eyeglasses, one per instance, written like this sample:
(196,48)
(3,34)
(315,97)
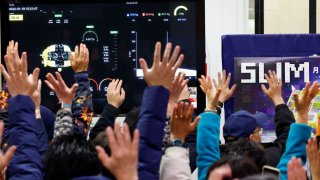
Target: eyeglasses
(260,131)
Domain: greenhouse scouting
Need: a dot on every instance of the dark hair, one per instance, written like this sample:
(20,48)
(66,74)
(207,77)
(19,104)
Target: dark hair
(251,149)
(102,140)
(241,166)
(261,177)
(71,156)
(132,119)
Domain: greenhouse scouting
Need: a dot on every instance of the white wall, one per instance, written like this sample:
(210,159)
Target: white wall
(286,17)
(223,17)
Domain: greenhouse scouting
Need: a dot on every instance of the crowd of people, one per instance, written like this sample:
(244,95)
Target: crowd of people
(161,139)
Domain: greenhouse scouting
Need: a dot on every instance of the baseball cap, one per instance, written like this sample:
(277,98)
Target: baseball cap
(243,123)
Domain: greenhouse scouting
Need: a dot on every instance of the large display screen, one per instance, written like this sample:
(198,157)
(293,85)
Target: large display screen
(116,33)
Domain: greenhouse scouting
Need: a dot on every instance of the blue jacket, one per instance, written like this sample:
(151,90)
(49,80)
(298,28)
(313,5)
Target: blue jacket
(26,162)
(207,142)
(295,147)
(151,124)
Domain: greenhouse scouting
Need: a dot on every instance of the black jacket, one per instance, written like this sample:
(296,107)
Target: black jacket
(106,119)
(274,150)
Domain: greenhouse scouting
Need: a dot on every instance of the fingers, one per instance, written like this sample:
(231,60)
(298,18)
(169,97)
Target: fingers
(233,89)
(267,78)
(264,89)
(166,54)
(224,76)
(74,88)
(35,74)
(24,66)
(82,51)
(8,65)
(103,156)
(144,66)
(39,86)
(118,88)
(123,93)
(296,98)
(76,52)
(189,110)
(216,97)
(126,133)
(195,123)
(174,56)
(113,144)
(228,79)
(215,83)
(178,63)
(135,142)
(60,80)
(8,155)
(219,79)
(314,90)
(157,53)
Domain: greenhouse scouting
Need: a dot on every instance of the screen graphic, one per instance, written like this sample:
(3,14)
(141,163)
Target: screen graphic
(116,34)
(294,72)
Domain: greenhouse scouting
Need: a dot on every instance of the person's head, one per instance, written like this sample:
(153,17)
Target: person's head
(243,124)
(250,149)
(71,156)
(232,167)
(132,119)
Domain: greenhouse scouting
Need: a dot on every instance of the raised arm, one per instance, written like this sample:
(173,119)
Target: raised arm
(41,130)
(175,161)
(63,123)
(82,108)
(26,163)
(153,108)
(299,132)
(115,97)
(283,116)
(208,129)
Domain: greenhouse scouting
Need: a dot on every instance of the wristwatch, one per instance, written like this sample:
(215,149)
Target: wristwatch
(176,142)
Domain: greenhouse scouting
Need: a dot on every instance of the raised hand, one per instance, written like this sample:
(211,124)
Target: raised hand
(177,86)
(80,58)
(36,96)
(212,95)
(12,48)
(296,170)
(17,78)
(123,162)
(303,102)
(64,94)
(116,93)
(5,158)
(313,153)
(181,122)
(162,71)
(223,84)
(275,88)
